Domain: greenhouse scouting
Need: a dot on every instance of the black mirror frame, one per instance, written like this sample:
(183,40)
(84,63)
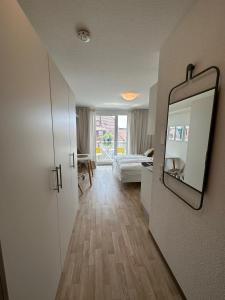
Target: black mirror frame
(189,76)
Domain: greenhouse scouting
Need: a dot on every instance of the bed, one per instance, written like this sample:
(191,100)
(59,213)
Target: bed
(127,168)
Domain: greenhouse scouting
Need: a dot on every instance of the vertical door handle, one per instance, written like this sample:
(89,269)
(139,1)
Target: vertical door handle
(57,179)
(60,175)
(73,160)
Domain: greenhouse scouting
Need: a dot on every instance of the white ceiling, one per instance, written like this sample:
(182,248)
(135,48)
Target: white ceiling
(126,36)
(187,103)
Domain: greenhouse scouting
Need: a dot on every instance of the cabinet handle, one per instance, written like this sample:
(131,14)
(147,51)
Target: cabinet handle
(60,174)
(73,156)
(57,179)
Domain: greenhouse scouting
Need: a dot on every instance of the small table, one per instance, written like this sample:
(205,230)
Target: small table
(86,158)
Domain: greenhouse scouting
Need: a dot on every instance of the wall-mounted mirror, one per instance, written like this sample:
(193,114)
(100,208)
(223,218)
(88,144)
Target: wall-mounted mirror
(189,135)
(188,129)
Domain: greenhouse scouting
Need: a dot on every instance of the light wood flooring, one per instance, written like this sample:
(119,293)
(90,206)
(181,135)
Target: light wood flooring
(112,255)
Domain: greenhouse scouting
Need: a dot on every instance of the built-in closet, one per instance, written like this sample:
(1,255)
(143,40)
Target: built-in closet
(38,186)
(64,140)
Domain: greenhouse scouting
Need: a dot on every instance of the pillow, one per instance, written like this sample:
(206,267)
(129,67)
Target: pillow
(149,152)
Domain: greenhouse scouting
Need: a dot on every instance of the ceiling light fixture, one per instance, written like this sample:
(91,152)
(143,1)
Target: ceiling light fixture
(129,96)
(84,35)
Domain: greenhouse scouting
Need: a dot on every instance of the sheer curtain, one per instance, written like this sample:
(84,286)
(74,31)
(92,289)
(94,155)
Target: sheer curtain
(139,140)
(86,131)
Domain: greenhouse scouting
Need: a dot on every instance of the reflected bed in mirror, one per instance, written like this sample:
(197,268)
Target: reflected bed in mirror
(188,131)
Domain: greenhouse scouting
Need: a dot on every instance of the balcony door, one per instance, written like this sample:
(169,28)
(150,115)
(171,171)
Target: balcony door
(111,137)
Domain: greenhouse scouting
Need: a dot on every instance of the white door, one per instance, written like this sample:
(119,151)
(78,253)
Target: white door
(73,150)
(60,115)
(28,206)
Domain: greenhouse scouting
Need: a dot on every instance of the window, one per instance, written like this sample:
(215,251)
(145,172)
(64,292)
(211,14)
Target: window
(111,137)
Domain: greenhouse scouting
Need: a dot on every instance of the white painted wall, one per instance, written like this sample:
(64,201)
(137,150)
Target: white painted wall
(201,111)
(152,108)
(193,242)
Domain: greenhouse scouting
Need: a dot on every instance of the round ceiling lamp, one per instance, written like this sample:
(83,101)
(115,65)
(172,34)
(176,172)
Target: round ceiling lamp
(84,35)
(129,96)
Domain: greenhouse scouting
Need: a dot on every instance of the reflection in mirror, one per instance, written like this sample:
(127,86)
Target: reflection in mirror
(188,130)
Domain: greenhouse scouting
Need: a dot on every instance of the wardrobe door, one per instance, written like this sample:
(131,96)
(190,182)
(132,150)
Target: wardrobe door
(28,206)
(73,148)
(60,116)
(3,284)
(1,292)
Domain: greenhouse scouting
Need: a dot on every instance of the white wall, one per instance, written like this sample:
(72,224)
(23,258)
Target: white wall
(152,108)
(193,242)
(201,111)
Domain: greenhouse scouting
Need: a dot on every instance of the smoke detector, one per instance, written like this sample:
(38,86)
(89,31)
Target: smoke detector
(84,35)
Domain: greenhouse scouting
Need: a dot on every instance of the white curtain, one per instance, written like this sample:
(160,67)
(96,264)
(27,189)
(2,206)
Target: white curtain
(83,129)
(86,131)
(139,140)
(92,130)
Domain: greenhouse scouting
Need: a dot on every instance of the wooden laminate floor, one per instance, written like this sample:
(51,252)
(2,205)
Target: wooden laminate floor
(112,255)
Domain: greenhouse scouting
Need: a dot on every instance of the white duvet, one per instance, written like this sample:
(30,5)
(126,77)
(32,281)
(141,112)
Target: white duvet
(128,167)
(127,159)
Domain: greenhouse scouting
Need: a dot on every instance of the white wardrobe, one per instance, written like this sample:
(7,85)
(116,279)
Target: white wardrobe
(38,178)
(64,143)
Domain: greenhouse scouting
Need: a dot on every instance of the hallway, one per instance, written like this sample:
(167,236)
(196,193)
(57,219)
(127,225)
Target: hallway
(112,255)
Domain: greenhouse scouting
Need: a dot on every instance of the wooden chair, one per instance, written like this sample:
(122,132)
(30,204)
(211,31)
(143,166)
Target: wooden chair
(178,169)
(84,160)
